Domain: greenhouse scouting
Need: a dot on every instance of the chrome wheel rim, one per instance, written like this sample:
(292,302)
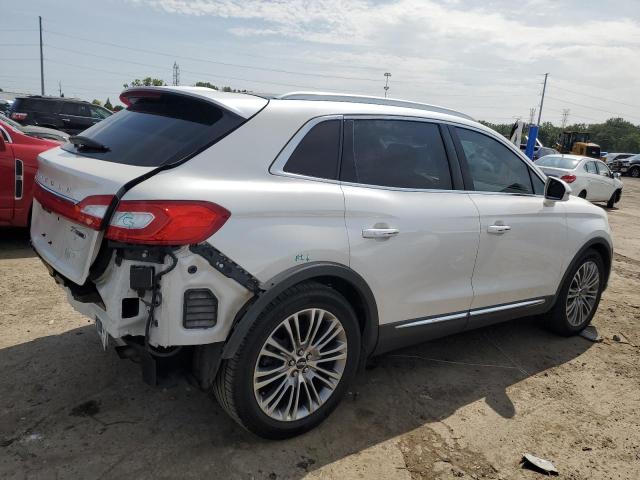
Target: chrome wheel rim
(582,294)
(300,364)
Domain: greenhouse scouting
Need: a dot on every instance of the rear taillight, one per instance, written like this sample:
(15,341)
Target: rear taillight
(568,178)
(88,212)
(151,222)
(165,222)
(19,116)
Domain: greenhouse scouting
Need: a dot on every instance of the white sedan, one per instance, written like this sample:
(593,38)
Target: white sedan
(589,178)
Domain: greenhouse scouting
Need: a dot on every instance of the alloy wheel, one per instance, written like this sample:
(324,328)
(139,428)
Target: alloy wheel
(583,292)
(300,364)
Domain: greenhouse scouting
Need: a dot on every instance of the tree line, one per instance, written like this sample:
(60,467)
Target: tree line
(614,135)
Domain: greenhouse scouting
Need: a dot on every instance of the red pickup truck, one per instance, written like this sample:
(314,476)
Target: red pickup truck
(18,164)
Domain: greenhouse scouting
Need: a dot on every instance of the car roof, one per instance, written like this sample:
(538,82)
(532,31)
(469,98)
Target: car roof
(571,157)
(322,103)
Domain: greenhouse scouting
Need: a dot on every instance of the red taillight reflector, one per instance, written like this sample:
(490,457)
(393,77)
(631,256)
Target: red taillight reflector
(165,222)
(568,178)
(18,116)
(130,97)
(88,212)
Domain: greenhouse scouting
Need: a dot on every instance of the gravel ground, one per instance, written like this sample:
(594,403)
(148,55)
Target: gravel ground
(466,406)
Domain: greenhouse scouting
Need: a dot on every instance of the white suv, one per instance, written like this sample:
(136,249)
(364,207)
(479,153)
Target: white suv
(281,242)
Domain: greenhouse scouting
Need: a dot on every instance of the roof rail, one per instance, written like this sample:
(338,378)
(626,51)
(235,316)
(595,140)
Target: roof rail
(392,102)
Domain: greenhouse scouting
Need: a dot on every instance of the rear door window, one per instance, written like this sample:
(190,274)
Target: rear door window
(590,167)
(318,152)
(492,166)
(76,109)
(395,153)
(158,130)
(37,105)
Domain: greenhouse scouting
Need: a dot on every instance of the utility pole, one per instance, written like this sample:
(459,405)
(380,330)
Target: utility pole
(41,60)
(544,88)
(60,88)
(176,73)
(386,83)
(565,117)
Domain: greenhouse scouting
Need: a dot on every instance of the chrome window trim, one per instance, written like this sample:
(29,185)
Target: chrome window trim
(277,166)
(18,178)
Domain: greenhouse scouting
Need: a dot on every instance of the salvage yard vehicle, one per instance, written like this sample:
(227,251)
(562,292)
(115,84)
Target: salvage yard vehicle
(589,178)
(67,114)
(283,241)
(577,143)
(18,164)
(627,166)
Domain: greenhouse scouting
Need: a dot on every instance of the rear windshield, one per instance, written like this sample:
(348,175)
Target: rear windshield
(158,130)
(558,162)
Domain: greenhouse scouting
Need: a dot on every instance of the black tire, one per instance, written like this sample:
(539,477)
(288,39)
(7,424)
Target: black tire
(234,385)
(557,319)
(615,197)
(634,172)
(583,194)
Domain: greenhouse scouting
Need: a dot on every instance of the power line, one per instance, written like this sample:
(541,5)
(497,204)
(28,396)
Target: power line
(595,96)
(587,106)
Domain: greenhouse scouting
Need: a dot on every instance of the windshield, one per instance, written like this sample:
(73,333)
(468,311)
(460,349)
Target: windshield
(13,124)
(156,130)
(558,162)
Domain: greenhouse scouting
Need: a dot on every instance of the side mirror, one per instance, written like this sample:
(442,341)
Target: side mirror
(617,175)
(557,190)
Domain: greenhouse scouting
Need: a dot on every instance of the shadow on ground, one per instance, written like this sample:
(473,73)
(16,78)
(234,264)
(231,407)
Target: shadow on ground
(14,243)
(69,410)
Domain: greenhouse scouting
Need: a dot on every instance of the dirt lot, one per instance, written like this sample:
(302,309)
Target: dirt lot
(467,406)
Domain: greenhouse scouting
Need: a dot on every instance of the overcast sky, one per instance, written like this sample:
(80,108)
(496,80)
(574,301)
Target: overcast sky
(484,57)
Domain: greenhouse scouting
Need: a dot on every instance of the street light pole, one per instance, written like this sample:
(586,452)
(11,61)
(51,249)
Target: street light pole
(41,60)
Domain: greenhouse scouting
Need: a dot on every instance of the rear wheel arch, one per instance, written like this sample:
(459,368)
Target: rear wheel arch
(336,276)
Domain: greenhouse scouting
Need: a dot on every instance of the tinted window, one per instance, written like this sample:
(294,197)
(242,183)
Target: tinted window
(76,109)
(158,130)
(97,112)
(36,105)
(538,184)
(317,154)
(395,153)
(492,166)
(590,167)
(558,162)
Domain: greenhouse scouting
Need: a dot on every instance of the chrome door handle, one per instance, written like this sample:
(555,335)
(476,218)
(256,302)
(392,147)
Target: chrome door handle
(498,229)
(380,232)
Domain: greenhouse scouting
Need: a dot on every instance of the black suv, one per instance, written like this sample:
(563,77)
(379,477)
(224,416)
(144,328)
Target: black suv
(66,114)
(627,166)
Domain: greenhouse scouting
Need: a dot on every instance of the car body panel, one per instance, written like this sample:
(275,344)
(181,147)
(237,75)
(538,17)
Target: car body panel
(442,261)
(22,149)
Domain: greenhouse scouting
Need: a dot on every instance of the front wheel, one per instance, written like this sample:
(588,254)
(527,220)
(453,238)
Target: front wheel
(579,296)
(294,365)
(634,172)
(615,197)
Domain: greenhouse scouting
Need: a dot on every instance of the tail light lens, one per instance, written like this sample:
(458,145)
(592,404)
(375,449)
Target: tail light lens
(152,222)
(18,116)
(165,222)
(568,178)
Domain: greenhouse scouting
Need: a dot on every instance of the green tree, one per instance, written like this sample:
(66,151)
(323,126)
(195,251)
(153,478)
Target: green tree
(145,82)
(207,85)
(108,105)
(97,102)
(117,108)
